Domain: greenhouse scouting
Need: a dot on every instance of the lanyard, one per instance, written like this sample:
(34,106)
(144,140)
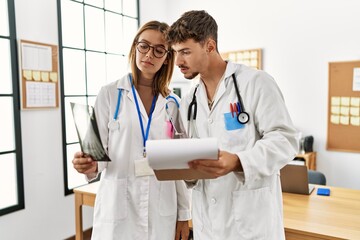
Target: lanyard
(144,135)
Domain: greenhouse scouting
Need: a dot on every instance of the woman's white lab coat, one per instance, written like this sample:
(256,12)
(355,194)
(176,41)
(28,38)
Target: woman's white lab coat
(243,205)
(126,206)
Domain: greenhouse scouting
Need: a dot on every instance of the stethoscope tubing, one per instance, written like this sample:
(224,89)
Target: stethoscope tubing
(242,117)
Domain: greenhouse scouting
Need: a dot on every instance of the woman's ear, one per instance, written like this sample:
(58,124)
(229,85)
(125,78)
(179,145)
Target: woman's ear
(166,61)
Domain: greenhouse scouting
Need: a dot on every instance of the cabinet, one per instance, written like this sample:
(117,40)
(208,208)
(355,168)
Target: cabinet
(310,159)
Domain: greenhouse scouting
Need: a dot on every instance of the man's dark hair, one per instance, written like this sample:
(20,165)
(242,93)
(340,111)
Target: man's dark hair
(196,25)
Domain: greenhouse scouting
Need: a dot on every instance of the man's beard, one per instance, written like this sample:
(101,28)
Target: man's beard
(192,76)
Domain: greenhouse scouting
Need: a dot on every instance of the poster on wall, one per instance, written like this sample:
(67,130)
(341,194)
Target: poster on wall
(344,107)
(39,75)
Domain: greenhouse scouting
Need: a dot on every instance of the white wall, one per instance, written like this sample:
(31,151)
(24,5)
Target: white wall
(299,39)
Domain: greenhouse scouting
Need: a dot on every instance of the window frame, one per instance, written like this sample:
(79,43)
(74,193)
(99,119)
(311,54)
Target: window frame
(16,108)
(68,190)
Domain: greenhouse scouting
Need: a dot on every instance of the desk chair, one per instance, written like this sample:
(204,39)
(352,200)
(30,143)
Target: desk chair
(316,177)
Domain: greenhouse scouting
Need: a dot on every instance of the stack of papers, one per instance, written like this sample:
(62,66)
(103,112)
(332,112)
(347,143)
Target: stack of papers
(169,158)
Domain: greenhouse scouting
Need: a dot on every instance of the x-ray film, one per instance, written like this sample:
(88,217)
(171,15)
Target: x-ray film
(88,132)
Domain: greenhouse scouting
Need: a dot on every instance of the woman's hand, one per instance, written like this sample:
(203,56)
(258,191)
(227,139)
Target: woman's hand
(182,230)
(84,164)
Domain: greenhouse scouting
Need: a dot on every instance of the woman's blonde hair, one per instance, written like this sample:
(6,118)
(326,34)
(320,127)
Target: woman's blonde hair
(163,76)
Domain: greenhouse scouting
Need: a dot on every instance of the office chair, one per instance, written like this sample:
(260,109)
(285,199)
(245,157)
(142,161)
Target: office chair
(316,177)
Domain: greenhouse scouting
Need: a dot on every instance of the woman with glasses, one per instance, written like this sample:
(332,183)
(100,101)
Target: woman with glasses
(131,203)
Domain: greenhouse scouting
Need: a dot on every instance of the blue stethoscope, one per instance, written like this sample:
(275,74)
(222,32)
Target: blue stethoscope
(116,113)
(242,116)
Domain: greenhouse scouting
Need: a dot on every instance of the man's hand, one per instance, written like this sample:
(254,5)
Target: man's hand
(182,230)
(226,163)
(84,164)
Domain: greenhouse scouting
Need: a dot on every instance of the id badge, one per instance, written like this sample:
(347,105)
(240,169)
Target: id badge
(231,122)
(142,168)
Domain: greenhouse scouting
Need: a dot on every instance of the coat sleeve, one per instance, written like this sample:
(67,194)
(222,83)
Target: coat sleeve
(274,143)
(183,201)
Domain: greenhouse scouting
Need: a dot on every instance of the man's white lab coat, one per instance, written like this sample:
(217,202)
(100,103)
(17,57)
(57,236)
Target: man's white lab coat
(243,205)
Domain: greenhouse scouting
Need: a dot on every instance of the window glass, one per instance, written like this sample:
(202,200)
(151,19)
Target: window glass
(96,72)
(130,8)
(94,28)
(113,5)
(116,67)
(74,72)
(72,28)
(8,181)
(97,3)
(5,67)
(7,140)
(130,28)
(4,22)
(91,101)
(114,40)
(11,172)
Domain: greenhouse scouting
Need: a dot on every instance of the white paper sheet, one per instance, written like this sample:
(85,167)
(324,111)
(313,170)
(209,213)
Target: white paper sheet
(176,153)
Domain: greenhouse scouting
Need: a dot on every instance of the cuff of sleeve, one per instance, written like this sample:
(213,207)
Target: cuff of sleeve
(91,176)
(242,176)
(184,215)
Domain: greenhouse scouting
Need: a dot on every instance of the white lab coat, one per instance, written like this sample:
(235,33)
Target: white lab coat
(243,205)
(126,206)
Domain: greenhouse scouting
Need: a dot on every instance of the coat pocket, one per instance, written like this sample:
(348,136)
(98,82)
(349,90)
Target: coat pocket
(112,200)
(254,213)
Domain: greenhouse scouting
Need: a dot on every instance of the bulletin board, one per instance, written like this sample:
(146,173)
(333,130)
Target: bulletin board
(39,75)
(249,57)
(344,107)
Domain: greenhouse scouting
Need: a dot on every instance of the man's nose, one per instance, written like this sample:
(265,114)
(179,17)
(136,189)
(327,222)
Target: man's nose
(178,60)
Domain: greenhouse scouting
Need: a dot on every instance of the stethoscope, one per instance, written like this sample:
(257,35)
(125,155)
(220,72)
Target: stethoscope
(114,124)
(242,116)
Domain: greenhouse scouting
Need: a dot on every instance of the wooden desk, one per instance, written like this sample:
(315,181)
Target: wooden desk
(320,217)
(310,217)
(84,195)
(310,159)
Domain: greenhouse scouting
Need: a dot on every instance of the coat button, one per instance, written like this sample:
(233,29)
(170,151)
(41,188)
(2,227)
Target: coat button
(213,200)
(210,120)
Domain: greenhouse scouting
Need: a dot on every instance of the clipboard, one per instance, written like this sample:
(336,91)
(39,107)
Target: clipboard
(169,157)
(180,174)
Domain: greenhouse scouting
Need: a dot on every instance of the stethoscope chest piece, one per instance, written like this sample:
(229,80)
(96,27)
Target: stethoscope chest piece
(243,117)
(114,125)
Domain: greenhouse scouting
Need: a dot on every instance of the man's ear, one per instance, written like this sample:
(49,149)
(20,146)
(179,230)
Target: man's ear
(211,45)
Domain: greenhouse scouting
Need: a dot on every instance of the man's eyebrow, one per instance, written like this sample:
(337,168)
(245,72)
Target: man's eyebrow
(181,50)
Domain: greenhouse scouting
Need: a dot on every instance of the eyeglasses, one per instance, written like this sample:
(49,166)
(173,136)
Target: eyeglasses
(158,51)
